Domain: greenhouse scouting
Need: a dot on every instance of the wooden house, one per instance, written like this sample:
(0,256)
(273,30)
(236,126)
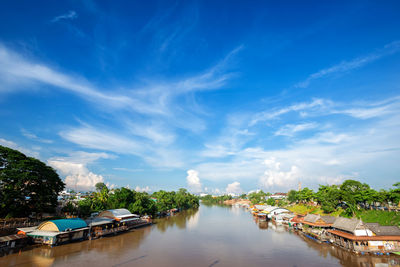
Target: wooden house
(354,235)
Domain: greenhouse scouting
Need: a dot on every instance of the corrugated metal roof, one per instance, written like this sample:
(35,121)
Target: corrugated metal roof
(65,224)
(120,212)
(43,233)
(99,221)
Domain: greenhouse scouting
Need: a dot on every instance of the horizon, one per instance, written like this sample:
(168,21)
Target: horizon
(168,95)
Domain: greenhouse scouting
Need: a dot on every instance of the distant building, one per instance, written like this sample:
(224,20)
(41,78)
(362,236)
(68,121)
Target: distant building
(278,196)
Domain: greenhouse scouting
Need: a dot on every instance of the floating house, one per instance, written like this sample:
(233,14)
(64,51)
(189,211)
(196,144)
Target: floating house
(124,219)
(100,226)
(316,225)
(56,232)
(354,235)
(276,210)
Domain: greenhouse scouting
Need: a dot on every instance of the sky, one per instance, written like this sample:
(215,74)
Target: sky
(214,96)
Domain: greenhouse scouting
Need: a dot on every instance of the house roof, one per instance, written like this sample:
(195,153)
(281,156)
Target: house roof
(117,213)
(313,218)
(365,238)
(62,225)
(349,225)
(381,230)
(99,221)
(328,219)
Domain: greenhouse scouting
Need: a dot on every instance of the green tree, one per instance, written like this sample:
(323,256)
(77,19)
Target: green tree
(293,196)
(306,194)
(100,186)
(26,185)
(271,201)
(328,196)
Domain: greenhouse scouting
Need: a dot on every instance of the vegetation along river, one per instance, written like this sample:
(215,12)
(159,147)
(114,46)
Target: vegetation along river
(210,236)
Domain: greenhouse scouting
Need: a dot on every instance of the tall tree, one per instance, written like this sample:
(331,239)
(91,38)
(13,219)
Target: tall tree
(26,185)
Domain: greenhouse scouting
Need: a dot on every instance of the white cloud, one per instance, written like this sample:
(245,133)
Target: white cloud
(275,176)
(142,189)
(292,129)
(34,137)
(193,181)
(70,15)
(316,105)
(234,188)
(74,168)
(13,145)
(77,175)
(356,63)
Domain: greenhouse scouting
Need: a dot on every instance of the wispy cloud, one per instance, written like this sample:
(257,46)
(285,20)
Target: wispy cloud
(356,63)
(292,129)
(70,15)
(34,137)
(316,105)
(13,145)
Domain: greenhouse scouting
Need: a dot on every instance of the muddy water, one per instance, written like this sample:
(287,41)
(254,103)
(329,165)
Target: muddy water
(211,236)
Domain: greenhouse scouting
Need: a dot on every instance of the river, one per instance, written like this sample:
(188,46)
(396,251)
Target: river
(210,236)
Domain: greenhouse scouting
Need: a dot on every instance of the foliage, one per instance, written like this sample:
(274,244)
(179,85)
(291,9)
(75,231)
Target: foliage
(257,197)
(100,186)
(380,216)
(209,199)
(26,185)
(136,202)
(271,201)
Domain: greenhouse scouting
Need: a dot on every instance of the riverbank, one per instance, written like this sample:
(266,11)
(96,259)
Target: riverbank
(389,218)
(351,234)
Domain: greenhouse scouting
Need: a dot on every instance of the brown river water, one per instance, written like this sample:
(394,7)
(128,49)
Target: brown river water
(210,236)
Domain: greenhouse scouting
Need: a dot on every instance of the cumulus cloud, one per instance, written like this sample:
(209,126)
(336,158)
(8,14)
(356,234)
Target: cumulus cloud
(76,175)
(234,188)
(193,181)
(275,176)
(74,168)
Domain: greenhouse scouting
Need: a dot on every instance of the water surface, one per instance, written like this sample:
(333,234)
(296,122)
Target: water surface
(210,236)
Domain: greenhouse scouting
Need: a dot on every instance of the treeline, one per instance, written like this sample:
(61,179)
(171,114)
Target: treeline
(351,196)
(140,203)
(209,199)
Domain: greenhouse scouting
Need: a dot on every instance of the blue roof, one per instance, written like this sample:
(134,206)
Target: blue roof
(64,224)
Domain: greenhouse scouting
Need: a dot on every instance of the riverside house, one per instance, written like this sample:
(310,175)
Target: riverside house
(56,232)
(124,219)
(317,225)
(354,235)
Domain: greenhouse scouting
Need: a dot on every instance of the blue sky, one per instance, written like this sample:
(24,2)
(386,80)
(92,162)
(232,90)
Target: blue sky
(214,96)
